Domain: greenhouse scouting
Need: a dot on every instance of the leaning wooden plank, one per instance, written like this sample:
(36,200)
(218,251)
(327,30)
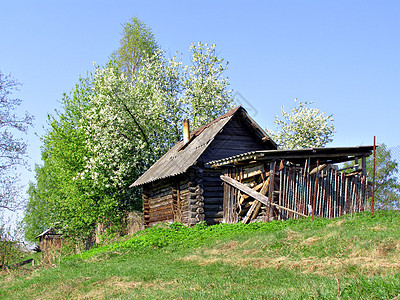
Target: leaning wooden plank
(250,212)
(256,188)
(263,199)
(256,210)
(263,191)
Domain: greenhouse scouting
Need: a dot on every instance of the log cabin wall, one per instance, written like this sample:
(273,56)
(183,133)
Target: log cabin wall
(213,196)
(158,204)
(195,211)
(178,199)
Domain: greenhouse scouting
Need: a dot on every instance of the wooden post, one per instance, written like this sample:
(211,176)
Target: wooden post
(373,181)
(315,192)
(271,186)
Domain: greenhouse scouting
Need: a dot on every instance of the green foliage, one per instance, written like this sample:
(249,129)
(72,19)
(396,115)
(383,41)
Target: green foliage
(303,127)
(387,187)
(59,196)
(114,126)
(137,43)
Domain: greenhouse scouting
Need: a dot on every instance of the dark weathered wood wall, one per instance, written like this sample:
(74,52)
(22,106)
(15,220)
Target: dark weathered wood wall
(213,196)
(235,138)
(177,199)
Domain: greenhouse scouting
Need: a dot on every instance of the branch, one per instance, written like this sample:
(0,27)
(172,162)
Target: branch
(134,120)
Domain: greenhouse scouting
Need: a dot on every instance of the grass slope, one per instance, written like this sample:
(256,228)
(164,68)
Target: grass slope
(352,257)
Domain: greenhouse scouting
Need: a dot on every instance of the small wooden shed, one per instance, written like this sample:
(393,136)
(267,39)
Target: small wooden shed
(281,184)
(49,240)
(181,187)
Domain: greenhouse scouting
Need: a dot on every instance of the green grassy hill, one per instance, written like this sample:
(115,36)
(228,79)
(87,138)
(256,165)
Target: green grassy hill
(352,257)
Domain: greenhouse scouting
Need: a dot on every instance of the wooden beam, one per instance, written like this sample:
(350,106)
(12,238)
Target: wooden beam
(263,199)
(250,212)
(318,169)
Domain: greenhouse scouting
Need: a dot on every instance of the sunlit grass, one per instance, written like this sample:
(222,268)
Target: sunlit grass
(350,257)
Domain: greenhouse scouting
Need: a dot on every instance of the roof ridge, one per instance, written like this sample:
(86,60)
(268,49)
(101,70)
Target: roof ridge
(229,113)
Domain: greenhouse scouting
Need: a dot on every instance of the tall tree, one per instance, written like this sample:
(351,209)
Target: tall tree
(387,192)
(12,155)
(60,195)
(12,148)
(137,43)
(113,127)
(303,127)
(132,124)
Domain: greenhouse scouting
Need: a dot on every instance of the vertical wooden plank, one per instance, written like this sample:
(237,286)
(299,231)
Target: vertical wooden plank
(285,190)
(280,191)
(335,199)
(271,187)
(295,192)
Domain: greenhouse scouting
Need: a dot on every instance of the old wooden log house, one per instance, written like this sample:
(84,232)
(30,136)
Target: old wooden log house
(181,187)
(231,171)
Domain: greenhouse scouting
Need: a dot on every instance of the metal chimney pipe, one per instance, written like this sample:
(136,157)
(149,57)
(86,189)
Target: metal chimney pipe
(186,131)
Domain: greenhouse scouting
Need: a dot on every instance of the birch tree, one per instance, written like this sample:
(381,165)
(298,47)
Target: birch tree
(12,147)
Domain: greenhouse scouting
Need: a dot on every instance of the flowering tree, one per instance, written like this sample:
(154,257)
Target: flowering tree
(112,128)
(303,127)
(132,123)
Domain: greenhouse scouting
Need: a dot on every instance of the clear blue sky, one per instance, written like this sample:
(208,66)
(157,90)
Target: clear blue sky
(343,55)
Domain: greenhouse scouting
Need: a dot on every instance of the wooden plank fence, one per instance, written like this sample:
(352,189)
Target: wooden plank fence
(288,191)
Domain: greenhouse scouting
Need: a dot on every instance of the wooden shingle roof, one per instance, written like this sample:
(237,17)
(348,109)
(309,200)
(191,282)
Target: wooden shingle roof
(181,157)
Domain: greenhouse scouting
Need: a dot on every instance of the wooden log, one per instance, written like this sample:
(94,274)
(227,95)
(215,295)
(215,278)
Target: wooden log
(214,214)
(256,210)
(214,207)
(318,169)
(168,217)
(250,212)
(255,188)
(213,200)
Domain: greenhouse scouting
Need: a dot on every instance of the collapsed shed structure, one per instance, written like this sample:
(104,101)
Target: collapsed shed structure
(282,184)
(181,187)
